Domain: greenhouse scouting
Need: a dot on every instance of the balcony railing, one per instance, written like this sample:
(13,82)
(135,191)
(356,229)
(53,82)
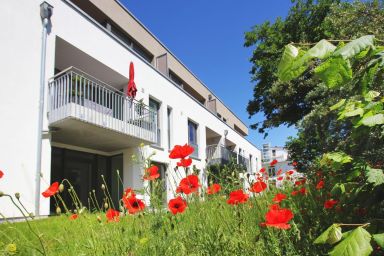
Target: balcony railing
(74,94)
(221,155)
(219,152)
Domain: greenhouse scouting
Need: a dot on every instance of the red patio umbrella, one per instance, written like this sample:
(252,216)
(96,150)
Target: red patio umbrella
(131,90)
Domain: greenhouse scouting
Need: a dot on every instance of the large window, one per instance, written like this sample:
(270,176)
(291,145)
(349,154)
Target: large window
(155,106)
(192,137)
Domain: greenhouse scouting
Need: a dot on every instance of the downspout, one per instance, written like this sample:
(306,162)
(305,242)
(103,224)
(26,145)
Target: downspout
(45,14)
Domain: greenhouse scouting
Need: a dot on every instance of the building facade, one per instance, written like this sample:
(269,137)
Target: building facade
(278,153)
(90,128)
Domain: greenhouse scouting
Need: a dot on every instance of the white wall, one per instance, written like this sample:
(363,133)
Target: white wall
(19,94)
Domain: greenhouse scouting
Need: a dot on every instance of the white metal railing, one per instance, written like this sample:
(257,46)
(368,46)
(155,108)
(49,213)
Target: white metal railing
(74,94)
(219,152)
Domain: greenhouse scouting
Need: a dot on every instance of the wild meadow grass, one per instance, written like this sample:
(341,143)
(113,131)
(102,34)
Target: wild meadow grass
(207,227)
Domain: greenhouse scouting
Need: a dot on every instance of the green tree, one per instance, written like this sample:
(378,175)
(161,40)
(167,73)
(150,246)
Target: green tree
(308,21)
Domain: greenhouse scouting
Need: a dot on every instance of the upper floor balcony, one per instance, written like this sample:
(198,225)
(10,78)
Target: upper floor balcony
(83,111)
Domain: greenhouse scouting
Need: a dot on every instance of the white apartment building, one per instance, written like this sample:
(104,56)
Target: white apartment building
(73,67)
(278,153)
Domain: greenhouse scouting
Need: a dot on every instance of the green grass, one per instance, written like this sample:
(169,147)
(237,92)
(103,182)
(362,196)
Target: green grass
(209,227)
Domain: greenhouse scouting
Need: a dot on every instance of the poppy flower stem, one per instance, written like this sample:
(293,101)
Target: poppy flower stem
(362,224)
(43,252)
(62,202)
(31,216)
(97,203)
(108,194)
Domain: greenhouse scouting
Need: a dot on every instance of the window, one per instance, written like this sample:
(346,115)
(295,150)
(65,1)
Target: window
(218,115)
(169,122)
(225,120)
(175,79)
(192,137)
(250,162)
(128,41)
(155,106)
(273,152)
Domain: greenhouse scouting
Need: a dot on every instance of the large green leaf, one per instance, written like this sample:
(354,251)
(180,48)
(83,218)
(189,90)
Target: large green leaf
(334,72)
(375,176)
(289,55)
(329,233)
(356,46)
(379,239)
(355,112)
(373,120)
(339,157)
(293,64)
(357,243)
(337,105)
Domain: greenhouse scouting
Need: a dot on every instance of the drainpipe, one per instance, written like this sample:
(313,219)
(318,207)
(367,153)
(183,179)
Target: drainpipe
(45,14)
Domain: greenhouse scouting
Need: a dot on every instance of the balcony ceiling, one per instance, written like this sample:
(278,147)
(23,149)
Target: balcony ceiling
(78,133)
(68,55)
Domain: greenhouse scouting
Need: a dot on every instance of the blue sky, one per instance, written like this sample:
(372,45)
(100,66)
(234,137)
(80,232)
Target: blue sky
(208,37)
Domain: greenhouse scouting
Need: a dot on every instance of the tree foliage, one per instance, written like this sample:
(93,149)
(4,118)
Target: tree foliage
(284,102)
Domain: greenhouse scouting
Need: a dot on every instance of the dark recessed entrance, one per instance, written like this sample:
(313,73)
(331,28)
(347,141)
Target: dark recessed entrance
(84,171)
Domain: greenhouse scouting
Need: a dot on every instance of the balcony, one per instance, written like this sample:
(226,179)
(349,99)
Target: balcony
(86,112)
(218,154)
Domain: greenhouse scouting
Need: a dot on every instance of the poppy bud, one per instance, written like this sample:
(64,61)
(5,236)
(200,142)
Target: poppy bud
(17,195)
(98,219)
(11,249)
(102,186)
(61,187)
(1,193)
(58,210)
(69,190)
(31,215)
(106,205)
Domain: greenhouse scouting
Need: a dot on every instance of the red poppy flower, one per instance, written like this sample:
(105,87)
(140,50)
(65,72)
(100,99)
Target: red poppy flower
(290,172)
(303,191)
(294,192)
(279,197)
(73,216)
(113,215)
(278,217)
(237,197)
(258,186)
(320,184)
(279,172)
(53,189)
(181,151)
(280,178)
(274,161)
(177,205)
(262,170)
(1,174)
(213,189)
(151,173)
(330,203)
(188,184)
(133,204)
(129,193)
(184,162)
(294,163)
(300,182)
